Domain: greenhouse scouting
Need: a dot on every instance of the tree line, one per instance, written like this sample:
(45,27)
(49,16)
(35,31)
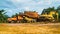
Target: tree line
(4,17)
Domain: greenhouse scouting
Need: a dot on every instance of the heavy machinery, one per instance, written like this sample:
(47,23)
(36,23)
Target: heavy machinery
(52,16)
(15,19)
(45,18)
(30,16)
(33,16)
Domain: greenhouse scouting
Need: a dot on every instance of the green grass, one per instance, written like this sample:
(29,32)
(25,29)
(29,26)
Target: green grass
(29,29)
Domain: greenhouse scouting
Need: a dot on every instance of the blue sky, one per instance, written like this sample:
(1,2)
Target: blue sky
(15,6)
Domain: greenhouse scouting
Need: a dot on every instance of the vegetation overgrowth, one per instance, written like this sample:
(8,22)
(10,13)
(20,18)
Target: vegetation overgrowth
(4,17)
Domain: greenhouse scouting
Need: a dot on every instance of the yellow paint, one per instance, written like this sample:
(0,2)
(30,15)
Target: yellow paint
(29,19)
(51,14)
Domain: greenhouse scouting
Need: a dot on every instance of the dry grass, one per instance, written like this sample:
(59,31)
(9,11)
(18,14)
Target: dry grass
(29,29)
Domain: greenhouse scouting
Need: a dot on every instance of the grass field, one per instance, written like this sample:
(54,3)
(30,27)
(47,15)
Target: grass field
(29,28)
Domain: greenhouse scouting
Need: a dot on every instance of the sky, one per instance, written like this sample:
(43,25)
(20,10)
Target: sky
(16,6)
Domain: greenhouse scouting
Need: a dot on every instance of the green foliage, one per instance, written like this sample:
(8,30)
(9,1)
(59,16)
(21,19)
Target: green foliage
(3,16)
(15,15)
(48,10)
(58,10)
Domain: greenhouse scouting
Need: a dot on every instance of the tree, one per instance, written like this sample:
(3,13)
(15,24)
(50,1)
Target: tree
(48,10)
(58,10)
(3,16)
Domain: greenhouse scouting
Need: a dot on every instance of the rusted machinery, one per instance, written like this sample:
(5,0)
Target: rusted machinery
(28,16)
(15,19)
(35,17)
(31,16)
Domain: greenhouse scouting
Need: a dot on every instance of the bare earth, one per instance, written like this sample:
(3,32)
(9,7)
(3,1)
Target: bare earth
(28,28)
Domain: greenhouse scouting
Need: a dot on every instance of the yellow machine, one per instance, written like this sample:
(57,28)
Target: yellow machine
(28,19)
(54,13)
(50,16)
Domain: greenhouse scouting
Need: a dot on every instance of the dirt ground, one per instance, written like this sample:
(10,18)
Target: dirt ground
(29,28)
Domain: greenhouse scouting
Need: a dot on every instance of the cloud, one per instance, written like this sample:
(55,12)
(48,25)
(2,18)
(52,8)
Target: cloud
(11,12)
(27,8)
(30,3)
(22,5)
(21,1)
(57,0)
(45,2)
(6,4)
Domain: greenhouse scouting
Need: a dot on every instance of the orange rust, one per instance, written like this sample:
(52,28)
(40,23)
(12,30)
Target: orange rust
(31,14)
